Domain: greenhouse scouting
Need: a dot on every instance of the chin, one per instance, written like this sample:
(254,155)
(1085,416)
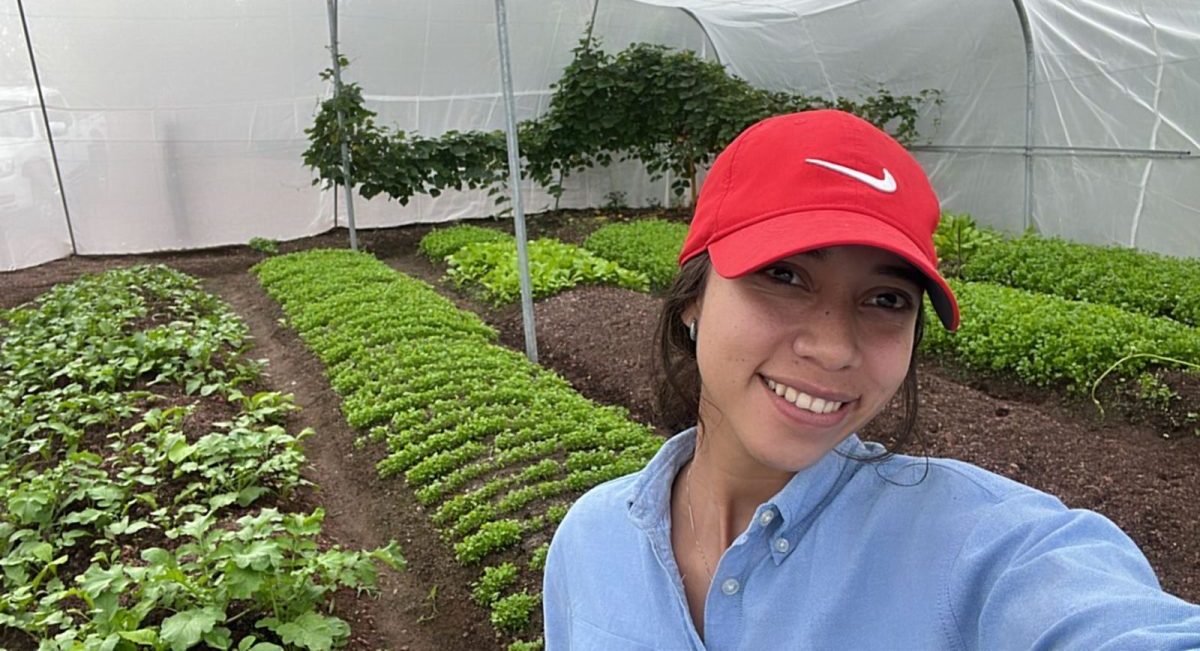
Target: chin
(793,457)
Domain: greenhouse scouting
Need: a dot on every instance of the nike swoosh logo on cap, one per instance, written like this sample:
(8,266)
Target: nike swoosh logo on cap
(886,184)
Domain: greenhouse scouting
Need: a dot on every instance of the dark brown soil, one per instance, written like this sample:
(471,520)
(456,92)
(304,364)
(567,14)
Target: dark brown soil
(597,338)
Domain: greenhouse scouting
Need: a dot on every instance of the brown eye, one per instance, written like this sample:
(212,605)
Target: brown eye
(890,301)
(781,274)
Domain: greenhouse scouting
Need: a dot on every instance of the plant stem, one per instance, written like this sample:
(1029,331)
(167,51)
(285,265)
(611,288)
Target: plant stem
(1096,384)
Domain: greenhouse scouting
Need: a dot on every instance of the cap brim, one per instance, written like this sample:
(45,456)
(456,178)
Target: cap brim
(757,245)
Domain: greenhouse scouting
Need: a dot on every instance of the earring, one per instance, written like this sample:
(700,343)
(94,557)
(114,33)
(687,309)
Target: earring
(692,328)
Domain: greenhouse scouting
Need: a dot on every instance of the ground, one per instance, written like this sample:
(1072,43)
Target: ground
(598,338)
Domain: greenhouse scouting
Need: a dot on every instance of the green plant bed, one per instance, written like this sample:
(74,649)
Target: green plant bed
(649,246)
(438,244)
(1130,279)
(491,269)
(495,446)
(1048,340)
(123,526)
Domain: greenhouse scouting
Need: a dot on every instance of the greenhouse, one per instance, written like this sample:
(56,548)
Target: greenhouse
(319,320)
(1071,118)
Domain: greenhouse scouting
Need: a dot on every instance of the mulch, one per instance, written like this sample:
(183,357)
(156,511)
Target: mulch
(598,338)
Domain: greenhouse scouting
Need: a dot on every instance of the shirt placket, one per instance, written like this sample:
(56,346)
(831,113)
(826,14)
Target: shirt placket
(724,608)
(660,543)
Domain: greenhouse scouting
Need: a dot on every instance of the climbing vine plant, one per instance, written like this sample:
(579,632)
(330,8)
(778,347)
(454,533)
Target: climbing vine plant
(669,109)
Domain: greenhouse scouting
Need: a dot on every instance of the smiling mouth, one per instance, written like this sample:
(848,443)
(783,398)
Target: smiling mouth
(803,400)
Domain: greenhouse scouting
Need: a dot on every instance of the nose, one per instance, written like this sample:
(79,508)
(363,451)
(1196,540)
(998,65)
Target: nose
(828,337)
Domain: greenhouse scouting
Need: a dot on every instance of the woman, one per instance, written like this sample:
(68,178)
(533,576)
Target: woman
(770,525)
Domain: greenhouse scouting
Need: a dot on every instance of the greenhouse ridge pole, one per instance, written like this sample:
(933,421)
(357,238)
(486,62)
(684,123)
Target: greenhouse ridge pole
(514,179)
(331,6)
(1030,81)
(37,83)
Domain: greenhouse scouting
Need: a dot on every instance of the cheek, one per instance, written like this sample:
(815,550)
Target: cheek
(889,364)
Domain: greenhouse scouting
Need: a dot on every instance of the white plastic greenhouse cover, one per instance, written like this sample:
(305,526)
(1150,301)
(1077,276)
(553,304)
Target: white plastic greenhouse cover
(179,124)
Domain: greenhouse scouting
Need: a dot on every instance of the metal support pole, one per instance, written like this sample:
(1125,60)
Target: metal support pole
(592,22)
(704,30)
(514,176)
(1030,82)
(1057,150)
(37,82)
(331,6)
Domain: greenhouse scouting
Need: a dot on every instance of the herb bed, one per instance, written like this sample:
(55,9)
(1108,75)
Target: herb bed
(142,475)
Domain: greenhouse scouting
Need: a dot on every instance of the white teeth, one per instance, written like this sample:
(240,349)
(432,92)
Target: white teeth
(803,400)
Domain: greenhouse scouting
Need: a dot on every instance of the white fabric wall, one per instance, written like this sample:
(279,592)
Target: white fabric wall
(183,121)
(187,118)
(191,116)
(32,228)
(1111,74)
(1122,74)
(429,68)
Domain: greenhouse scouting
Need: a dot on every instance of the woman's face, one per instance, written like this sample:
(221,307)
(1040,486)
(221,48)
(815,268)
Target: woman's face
(798,355)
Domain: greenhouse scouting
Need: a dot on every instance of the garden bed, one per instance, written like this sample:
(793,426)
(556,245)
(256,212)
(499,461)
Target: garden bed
(597,338)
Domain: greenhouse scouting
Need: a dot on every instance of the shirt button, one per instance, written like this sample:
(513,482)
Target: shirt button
(730,586)
(782,545)
(766,517)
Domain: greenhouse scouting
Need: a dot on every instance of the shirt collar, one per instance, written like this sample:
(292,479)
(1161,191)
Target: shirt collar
(805,494)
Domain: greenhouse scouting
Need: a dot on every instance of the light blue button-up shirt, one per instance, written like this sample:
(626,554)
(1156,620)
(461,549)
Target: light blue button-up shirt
(905,554)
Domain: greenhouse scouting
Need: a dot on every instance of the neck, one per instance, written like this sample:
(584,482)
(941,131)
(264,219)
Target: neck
(728,490)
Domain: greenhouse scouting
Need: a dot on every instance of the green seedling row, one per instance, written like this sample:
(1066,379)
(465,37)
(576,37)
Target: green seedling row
(494,445)
(649,246)
(489,268)
(438,244)
(1047,340)
(1133,280)
(124,524)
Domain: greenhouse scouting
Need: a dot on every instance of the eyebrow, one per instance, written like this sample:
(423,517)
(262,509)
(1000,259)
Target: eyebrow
(903,272)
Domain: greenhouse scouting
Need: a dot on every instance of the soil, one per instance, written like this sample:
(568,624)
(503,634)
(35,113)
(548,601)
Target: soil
(597,338)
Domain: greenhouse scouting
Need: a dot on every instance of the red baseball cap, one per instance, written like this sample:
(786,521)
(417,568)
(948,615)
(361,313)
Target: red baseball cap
(803,181)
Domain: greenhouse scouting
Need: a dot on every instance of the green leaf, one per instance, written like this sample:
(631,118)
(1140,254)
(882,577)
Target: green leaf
(242,583)
(32,506)
(97,580)
(141,637)
(185,629)
(218,638)
(390,556)
(247,495)
(158,556)
(259,555)
(178,448)
(309,631)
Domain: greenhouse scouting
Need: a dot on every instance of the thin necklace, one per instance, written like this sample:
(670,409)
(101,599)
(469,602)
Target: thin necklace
(692,519)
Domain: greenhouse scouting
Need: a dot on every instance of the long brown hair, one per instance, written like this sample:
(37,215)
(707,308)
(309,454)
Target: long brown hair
(677,375)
